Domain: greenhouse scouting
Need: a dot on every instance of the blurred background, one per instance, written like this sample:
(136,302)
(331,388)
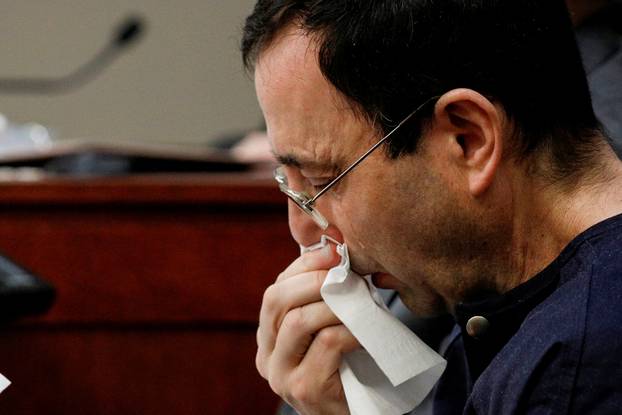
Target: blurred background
(134,249)
(182,82)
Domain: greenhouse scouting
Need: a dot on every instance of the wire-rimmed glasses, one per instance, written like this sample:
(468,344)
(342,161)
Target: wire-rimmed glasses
(306,202)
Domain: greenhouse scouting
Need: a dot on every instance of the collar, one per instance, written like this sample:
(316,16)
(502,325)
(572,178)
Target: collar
(489,324)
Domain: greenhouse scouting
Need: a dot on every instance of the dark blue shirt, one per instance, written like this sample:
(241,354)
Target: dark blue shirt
(553,344)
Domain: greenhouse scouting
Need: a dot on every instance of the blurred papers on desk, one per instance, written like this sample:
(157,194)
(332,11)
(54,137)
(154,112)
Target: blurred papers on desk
(92,158)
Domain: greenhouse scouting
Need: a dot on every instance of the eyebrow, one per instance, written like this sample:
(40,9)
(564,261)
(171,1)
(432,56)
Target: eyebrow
(287,159)
(292,160)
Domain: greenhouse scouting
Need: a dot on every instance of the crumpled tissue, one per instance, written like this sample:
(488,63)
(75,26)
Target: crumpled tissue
(394,370)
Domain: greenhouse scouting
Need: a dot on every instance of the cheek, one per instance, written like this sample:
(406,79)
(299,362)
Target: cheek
(358,218)
(349,218)
(401,219)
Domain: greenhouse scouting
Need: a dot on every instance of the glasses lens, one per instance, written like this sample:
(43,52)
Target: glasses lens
(300,199)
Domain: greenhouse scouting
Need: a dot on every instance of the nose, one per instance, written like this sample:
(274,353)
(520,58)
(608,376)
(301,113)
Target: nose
(305,231)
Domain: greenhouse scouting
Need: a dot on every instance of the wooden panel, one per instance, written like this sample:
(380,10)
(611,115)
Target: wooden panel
(159,284)
(144,264)
(133,371)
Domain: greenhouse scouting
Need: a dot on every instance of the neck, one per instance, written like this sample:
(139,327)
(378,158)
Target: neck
(548,216)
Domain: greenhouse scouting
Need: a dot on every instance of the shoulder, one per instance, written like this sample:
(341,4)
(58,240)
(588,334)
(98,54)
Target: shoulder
(565,356)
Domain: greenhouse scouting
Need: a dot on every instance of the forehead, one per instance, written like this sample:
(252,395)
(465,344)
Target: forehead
(307,118)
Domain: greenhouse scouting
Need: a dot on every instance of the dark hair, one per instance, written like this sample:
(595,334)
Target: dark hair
(388,56)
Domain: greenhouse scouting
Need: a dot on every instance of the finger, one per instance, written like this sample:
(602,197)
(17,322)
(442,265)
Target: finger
(297,332)
(284,296)
(324,258)
(278,300)
(325,354)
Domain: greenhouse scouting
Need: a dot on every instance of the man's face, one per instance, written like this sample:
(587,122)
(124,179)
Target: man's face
(395,215)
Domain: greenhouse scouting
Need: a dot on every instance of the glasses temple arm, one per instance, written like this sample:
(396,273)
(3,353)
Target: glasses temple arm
(360,159)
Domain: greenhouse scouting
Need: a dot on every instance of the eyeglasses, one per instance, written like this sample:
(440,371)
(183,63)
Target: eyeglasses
(306,202)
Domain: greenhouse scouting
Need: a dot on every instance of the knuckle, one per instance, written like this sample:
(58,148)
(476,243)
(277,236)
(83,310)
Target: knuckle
(329,337)
(281,276)
(260,364)
(306,390)
(276,384)
(271,297)
(300,390)
(294,320)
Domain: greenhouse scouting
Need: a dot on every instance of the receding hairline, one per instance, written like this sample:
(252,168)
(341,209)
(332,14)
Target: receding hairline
(295,27)
(277,30)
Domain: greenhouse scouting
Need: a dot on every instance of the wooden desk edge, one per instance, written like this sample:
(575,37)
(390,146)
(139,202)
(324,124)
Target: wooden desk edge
(255,188)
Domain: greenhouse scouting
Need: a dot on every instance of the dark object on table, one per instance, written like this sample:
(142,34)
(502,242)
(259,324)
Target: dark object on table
(22,293)
(84,158)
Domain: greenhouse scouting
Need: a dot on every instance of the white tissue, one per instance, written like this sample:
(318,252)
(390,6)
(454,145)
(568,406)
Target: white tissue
(4,383)
(394,370)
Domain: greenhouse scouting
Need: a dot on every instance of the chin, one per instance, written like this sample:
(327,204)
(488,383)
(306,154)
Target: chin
(423,303)
(386,281)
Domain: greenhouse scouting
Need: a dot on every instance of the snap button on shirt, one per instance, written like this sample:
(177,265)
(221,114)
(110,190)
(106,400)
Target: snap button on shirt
(477,326)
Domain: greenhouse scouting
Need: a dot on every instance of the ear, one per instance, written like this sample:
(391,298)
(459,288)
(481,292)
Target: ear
(473,127)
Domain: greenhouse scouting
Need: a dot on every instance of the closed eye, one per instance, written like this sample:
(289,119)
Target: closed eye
(319,183)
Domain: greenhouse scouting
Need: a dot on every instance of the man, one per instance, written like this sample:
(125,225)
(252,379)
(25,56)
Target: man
(495,196)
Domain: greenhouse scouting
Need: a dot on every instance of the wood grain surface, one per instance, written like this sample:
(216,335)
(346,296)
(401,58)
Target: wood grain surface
(159,283)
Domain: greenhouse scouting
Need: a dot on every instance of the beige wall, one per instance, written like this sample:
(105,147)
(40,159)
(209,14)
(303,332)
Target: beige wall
(184,81)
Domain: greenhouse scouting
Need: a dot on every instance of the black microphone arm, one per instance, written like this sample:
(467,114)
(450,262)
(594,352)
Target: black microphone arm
(128,32)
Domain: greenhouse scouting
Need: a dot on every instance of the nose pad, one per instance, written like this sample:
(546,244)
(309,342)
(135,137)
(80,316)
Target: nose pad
(305,231)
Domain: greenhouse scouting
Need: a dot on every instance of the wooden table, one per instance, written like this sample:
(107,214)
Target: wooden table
(159,281)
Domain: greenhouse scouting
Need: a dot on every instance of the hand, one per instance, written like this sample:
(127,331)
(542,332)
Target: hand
(300,341)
